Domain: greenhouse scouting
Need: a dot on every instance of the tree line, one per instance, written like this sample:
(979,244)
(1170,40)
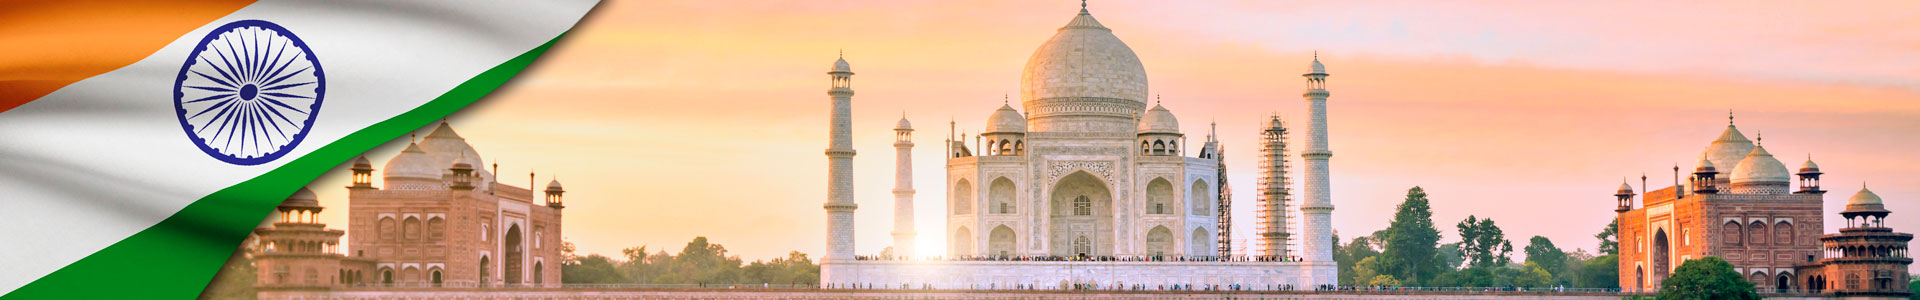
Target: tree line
(699,262)
(1408,253)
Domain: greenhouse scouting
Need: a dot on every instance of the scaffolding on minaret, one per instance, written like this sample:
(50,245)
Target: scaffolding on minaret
(1274,217)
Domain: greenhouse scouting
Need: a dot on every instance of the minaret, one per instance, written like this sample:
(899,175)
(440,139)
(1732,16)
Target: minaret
(840,153)
(1273,190)
(1318,207)
(903,189)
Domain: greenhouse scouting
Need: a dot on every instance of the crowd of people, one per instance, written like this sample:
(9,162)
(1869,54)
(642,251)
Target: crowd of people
(1083,257)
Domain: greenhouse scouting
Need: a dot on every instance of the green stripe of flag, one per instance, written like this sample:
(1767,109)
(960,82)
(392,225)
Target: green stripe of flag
(176,258)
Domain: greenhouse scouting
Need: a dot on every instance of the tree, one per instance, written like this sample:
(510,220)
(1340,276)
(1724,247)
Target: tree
(1383,280)
(1600,272)
(1483,244)
(1364,270)
(1706,278)
(1913,286)
(1609,244)
(1541,251)
(796,268)
(235,279)
(1347,256)
(1449,256)
(593,268)
(1411,241)
(1533,276)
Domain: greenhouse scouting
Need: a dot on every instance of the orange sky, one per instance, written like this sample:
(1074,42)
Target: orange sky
(674,119)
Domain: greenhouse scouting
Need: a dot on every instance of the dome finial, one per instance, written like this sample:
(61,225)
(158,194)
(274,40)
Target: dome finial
(1729,117)
(1083,6)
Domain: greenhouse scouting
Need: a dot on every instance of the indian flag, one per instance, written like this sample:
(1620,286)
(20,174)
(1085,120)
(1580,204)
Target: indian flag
(140,141)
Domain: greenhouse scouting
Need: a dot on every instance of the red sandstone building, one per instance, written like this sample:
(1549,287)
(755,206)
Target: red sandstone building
(437,222)
(1741,204)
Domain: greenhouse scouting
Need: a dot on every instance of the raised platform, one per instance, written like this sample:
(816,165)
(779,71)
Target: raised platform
(1055,275)
(760,293)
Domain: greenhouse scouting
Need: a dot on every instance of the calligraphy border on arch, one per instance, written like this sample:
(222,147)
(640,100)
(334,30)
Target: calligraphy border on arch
(1055,169)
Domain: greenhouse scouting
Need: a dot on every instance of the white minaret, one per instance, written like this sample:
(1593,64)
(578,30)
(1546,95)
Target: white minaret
(1317,230)
(840,204)
(903,189)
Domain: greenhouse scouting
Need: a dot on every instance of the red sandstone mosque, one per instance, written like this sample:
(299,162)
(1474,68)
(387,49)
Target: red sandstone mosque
(437,221)
(1739,204)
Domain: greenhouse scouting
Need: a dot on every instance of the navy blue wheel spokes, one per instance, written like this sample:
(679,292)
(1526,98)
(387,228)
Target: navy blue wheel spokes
(249,92)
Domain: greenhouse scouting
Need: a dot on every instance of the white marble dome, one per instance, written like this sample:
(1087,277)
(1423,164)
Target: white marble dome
(1704,165)
(1159,120)
(840,65)
(411,163)
(1624,189)
(1728,150)
(1316,67)
(1005,120)
(1760,167)
(1084,60)
(554,186)
(446,147)
(903,124)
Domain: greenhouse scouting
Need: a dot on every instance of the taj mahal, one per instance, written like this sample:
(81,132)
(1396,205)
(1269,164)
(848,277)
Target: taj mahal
(1085,185)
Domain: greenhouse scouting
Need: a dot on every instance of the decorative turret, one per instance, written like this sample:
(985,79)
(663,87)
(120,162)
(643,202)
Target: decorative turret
(1809,177)
(1159,132)
(553,194)
(1703,176)
(1624,196)
(1006,132)
(362,173)
(1864,210)
(301,207)
(462,176)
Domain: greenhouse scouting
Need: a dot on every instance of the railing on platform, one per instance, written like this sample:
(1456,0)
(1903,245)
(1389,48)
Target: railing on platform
(1143,258)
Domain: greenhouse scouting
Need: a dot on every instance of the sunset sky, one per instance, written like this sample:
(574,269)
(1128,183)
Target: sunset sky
(668,120)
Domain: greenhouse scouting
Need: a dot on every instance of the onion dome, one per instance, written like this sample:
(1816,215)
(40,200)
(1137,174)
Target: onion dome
(1728,150)
(362,163)
(304,199)
(840,66)
(1760,168)
(446,147)
(554,186)
(461,165)
(1704,165)
(1864,201)
(412,163)
(1084,63)
(1159,120)
(1809,167)
(1624,188)
(1004,120)
(1316,67)
(903,124)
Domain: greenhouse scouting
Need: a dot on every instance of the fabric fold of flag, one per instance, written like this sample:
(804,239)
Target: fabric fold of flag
(143,141)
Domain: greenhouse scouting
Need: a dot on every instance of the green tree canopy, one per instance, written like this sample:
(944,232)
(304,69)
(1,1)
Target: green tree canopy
(1483,244)
(1541,251)
(1411,241)
(1609,244)
(1600,272)
(1706,278)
